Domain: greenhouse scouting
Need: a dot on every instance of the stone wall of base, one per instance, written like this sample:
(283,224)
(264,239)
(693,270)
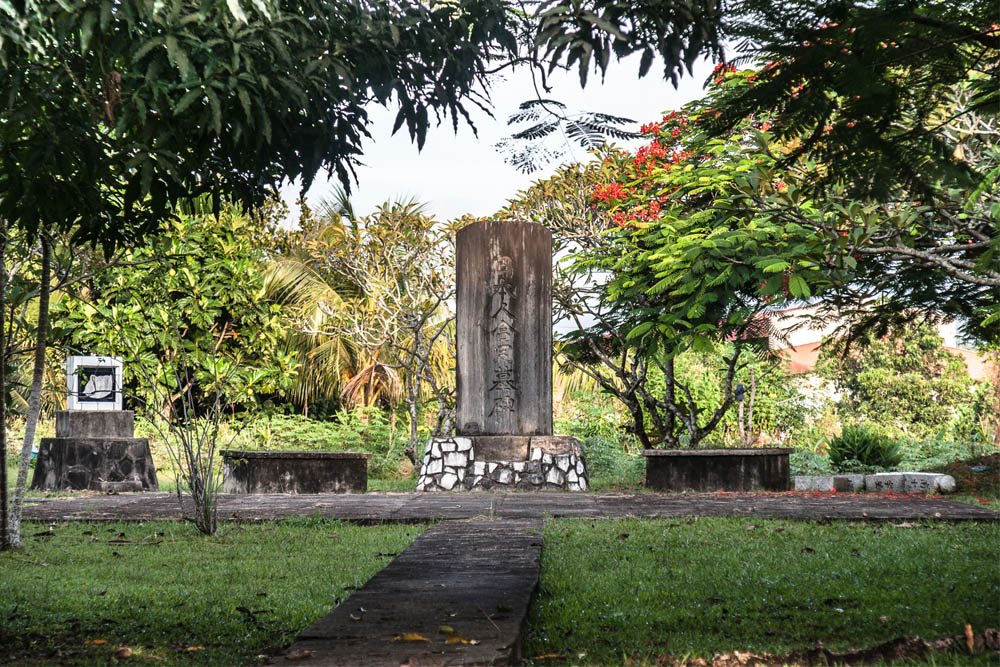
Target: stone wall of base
(98,464)
(294,472)
(883,482)
(550,462)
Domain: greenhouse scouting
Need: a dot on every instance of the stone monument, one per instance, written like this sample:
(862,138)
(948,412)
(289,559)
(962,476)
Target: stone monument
(504,369)
(95,446)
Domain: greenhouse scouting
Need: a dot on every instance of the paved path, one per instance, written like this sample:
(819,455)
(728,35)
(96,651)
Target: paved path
(415,507)
(470,581)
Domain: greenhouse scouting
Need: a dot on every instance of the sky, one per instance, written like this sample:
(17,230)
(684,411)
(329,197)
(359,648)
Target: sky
(461,173)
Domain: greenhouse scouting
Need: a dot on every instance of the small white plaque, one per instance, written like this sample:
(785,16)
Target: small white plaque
(93,383)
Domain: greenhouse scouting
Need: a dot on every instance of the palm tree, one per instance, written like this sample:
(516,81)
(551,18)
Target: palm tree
(341,332)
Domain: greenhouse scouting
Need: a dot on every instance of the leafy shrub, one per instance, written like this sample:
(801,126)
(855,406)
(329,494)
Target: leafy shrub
(864,446)
(933,452)
(606,459)
(905,382)
(805,462)
(591,414)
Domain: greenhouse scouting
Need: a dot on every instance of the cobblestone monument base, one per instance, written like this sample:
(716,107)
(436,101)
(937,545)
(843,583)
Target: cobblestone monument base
(503,462)
(94,450)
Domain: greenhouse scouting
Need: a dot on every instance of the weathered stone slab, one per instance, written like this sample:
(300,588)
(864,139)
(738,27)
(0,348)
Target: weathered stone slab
(920,482)
(414,507)
(95,424)
(68,464)
(294,472)
(501,447)
(504,329)
(884,482)
(475,578)
(556,445)
(840,483)
(717,469)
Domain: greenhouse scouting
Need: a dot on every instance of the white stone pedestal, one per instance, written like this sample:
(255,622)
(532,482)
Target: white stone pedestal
(550,462)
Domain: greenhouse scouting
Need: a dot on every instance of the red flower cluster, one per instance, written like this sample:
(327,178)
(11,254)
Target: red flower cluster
(646,158)
(647,213)
(608,194)
(651,128)
(720,70)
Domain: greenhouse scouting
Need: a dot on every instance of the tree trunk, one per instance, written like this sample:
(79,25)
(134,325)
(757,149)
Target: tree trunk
(670,399)
(35,399)
(3,386)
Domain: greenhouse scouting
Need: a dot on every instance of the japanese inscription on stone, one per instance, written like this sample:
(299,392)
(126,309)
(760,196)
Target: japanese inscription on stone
(504,327)
(502,338)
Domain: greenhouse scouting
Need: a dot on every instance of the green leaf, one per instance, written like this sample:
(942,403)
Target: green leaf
(187,99)
(775,267)
(639,330)
(798,287)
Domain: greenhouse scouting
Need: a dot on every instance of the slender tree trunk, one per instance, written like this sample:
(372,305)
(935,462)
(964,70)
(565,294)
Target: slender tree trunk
(35,399)
(4,544)
(670,399)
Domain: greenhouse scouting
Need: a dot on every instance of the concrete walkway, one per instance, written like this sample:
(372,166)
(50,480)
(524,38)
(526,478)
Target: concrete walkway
(457,596)
(416,507)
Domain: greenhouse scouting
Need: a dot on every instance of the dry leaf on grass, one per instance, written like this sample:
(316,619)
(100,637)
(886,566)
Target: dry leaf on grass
(970,639)
(304,654)
(95,641)
(123,653)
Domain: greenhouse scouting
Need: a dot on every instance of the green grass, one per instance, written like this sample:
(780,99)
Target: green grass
(641,590)
(73,598)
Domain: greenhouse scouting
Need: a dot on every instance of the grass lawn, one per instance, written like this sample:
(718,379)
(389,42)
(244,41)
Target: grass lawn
(615,591)
(172,595)
(610,591)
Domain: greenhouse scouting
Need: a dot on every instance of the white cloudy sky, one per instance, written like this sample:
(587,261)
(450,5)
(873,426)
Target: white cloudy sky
(461,173)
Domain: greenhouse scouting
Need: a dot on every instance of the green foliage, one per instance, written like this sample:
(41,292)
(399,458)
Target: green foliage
(609,465)
(589,33)
(780,409)
(188,315)
(863,83)
(805,462)
(115,111)
(380,433)
(905,381)
(591,414)
(864,445)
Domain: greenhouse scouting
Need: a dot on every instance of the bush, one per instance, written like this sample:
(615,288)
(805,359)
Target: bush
(606,459)
(864,446)
(805,462)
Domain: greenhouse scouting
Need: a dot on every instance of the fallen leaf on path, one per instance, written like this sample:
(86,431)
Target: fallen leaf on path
(304,654)
(410,637)
(446,629)
(455,638)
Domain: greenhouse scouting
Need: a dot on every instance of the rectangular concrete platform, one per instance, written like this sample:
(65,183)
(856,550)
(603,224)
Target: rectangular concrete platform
(418,507)
(471,581)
